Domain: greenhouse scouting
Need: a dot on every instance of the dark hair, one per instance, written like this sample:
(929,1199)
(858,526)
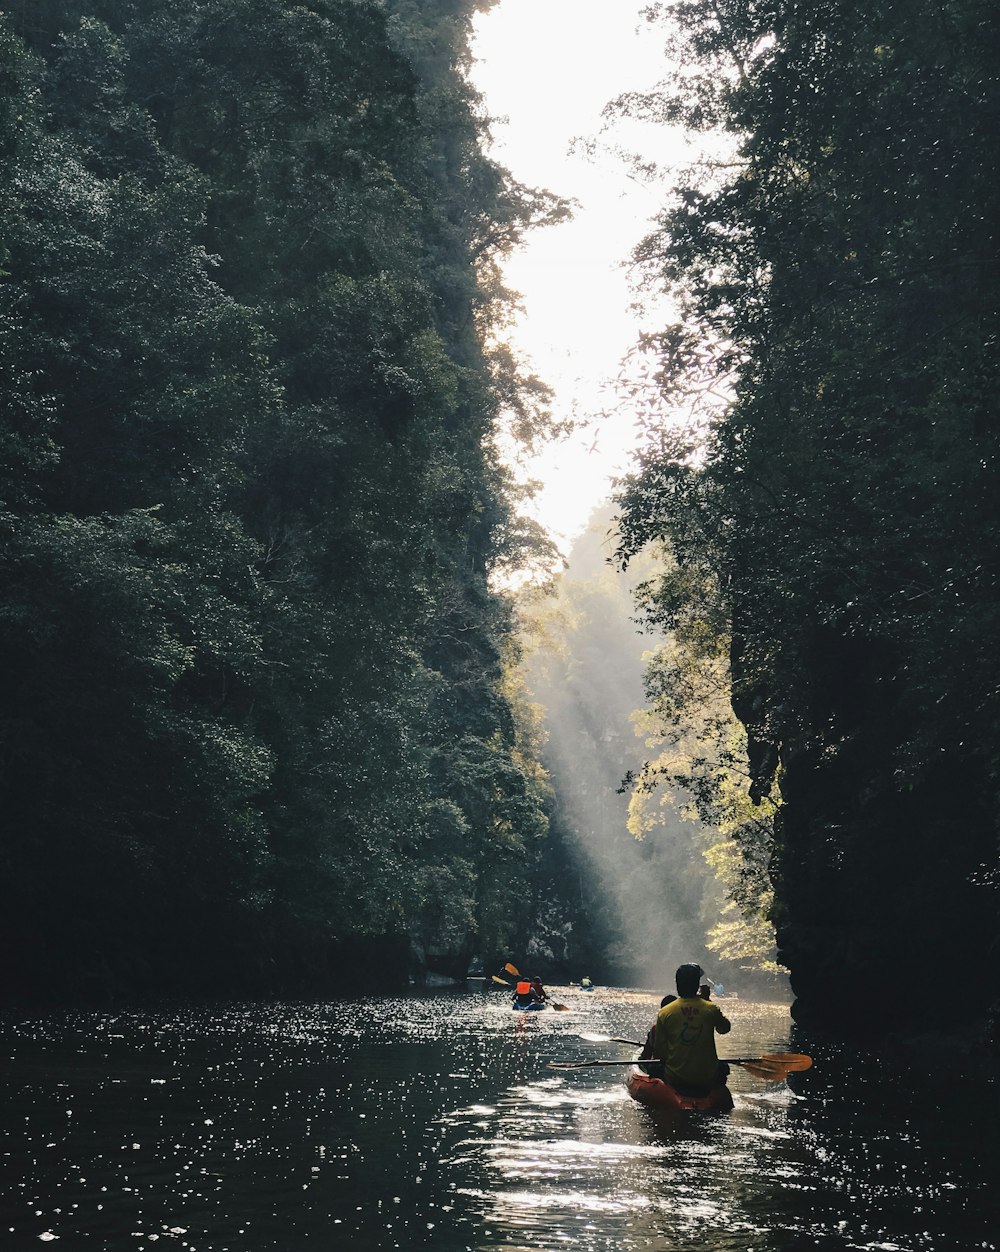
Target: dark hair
(667,1000)
(687,978)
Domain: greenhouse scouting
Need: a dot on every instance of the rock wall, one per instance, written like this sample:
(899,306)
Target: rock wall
(880,910)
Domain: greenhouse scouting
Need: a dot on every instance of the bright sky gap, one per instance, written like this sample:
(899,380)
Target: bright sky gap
(546,69)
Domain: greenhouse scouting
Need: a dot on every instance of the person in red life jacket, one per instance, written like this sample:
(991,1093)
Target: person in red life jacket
(524,993)
(684,1039)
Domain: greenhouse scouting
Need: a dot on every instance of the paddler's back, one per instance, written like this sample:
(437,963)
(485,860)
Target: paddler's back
(685,1040)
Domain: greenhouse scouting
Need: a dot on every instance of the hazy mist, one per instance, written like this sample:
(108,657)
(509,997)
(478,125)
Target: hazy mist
(654,897)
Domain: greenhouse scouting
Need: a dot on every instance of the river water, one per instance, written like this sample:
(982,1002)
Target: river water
(431,1120)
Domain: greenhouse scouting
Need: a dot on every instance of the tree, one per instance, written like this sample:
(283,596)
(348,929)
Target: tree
(253,494)
(836,283)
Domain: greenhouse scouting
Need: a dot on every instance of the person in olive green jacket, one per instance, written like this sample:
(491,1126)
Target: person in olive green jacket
(684,1038)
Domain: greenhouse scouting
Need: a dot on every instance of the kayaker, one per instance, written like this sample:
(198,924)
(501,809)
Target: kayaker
(539,990)
(647,1048)
(684,1038)
(586,983)
(705,991)
(525,994)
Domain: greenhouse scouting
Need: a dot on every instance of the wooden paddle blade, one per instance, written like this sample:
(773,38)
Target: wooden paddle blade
(596,1038)
(760,1069)
(560,1008)
(790,1060)
(502,982)
(774,1066)
(512,969)
(793,1061)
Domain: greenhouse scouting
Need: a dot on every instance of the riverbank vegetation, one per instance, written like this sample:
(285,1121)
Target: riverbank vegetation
(836,281)
(660,872)
(261,727)
(254,725)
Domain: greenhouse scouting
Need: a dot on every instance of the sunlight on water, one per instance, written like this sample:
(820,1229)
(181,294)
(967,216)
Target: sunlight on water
(430,1120)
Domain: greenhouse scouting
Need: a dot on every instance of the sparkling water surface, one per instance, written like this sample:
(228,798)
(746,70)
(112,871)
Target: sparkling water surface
(431,1119)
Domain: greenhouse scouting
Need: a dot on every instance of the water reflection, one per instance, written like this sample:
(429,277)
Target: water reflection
(431,1120)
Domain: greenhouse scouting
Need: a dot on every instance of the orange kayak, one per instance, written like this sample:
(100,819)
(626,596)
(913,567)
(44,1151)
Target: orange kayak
(657,1094)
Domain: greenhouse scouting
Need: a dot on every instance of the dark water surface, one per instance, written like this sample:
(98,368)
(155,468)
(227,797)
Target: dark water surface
(430,1120)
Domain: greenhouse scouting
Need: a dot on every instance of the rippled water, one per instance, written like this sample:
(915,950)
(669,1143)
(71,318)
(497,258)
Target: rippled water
(431,1120)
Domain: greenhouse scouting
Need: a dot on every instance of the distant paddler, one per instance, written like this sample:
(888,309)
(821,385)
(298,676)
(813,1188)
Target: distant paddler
(529,994)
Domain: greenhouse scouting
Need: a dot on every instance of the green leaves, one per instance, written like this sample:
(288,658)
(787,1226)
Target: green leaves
(838,275)
(251,499)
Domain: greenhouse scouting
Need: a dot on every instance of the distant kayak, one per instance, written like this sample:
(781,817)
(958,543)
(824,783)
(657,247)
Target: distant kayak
(657,1094)
(590,988)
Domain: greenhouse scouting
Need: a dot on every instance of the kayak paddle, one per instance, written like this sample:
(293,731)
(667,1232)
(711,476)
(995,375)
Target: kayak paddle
(772,1066)
(609,1039)
(594,1064)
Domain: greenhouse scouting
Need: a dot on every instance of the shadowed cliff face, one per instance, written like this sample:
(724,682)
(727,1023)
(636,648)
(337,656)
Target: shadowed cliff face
(839,287)
(877,904)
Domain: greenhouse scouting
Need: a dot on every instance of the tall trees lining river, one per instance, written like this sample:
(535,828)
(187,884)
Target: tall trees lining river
(837,278)
(258,721)
(252,693)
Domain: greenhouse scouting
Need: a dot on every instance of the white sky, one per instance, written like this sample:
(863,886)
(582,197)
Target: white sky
(546,69)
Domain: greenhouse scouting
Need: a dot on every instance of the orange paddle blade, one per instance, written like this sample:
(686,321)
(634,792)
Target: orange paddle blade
(774,1065)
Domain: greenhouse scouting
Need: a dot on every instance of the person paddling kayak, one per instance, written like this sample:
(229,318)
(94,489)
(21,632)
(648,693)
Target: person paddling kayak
(647,1048)
(684,1038)
(529,993)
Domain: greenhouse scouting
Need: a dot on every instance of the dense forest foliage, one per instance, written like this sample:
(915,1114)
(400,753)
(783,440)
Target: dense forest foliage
(640,882)
(254,726)
(835,272)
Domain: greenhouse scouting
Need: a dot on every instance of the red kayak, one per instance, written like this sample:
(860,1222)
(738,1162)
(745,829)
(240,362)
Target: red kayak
(657,1094)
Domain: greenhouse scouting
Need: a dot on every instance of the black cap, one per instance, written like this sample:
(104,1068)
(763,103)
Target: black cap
(687,979)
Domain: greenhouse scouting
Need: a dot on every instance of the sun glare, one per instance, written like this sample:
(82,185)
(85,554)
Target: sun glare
(547,69)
